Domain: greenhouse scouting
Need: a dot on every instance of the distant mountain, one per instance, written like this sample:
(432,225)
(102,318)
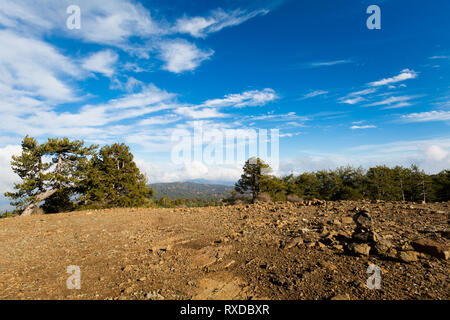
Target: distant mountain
(190,190)
(219,182)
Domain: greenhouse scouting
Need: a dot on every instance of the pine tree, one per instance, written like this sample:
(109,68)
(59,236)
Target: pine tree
(253,177)
(40,179)
(114,180)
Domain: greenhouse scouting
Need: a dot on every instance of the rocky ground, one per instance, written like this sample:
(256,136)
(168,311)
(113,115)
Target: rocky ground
(314,250)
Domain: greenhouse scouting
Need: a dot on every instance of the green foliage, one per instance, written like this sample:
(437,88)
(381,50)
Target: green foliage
(190,190)
(253,178)
(113,180)
(347,183)
(66,175)
(59,202)
(164,202)
(58,164)
(441,183)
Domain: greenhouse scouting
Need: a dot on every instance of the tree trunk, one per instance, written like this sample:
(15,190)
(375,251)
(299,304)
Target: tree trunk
(40,197)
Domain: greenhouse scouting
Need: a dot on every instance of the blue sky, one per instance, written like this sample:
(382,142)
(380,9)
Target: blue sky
(134,72)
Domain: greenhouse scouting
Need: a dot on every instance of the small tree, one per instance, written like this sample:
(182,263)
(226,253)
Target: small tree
(41,179)
(114,180)
(255,173)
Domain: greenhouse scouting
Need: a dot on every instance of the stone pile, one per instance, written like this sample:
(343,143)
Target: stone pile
(364,237)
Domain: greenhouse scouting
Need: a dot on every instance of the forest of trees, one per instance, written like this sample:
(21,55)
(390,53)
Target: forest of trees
(62,175)
(345,183)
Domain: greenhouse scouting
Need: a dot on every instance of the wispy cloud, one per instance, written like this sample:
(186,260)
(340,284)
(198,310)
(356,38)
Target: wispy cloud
(353,101)
(362,92)
(314,94)
(200,27)
(246,99)
(427,116)
(405,74)
(101,62)
(392,101)
(180,55)
(439,58)
(125,25)
(205,113)
(362,127)
(398,106)
(319,64)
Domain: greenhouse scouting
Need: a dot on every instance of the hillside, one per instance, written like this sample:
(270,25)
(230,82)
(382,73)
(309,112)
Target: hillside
(191,190)
(312,250)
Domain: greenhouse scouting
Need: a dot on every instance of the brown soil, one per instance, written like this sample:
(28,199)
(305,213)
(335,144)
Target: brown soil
(261,251)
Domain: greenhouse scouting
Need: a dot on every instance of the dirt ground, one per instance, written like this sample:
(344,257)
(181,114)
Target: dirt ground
(260,251)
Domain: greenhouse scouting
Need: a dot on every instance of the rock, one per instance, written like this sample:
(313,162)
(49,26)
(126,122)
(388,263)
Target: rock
(344,296)
(360,248)
(391,253)
(382,246)
(408,256)
(229,264)
(432,248)
(293,243)
(363,219)
(154,295)
(347,220)
(365,236)
(311,244)
(336,222)
(128,290)
(327,265)
(321,245)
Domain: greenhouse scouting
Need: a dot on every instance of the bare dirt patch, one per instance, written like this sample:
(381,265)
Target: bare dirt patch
(261,251)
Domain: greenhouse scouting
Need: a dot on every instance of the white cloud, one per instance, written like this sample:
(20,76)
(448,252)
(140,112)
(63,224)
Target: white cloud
(439,58)
(363,127)
(33,71)
(245,99)
(180,55)
(329,63)
(427,116)
(435,152)
(111,24)
(167,172)
(392,100)
(101,62)
(124,24)
(8,177)
(427,154)
(353,100)
(159,120)
(314,94)
(405,74)
(290,116)
(91,122)
(362,92)
(398,105)
(216,21)
(195,113)
(194,26)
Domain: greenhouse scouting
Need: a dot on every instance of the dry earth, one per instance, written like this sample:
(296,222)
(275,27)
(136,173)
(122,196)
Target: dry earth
(260,251)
